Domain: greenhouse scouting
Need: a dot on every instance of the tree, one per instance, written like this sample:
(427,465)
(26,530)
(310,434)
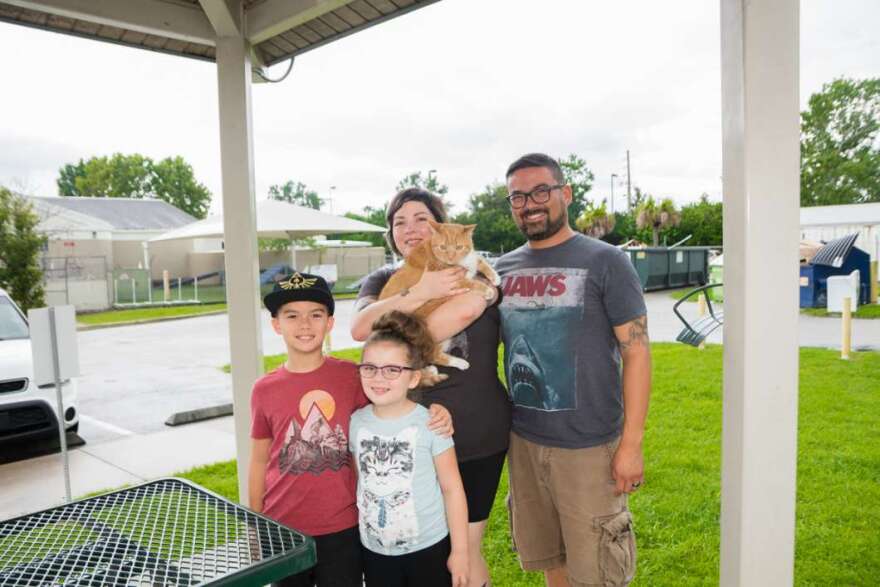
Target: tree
(580,178)
(638,198)
(496,231)
(119,176)
(595,221)
(658,217)
(20,245)
(702,220)
(369,215)
(173,181)
(296,193)
(429,182)
(67,176)
(134,176)
(840,152)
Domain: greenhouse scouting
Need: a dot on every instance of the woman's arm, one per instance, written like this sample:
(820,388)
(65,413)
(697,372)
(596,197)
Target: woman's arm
(456,314)
(456,514)
(257,472)
(432,285)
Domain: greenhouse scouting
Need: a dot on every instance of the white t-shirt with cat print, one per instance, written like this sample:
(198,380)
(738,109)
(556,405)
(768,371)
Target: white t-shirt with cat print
(399,499)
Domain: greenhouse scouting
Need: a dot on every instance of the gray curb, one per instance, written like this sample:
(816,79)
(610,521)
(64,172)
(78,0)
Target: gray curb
(197,415)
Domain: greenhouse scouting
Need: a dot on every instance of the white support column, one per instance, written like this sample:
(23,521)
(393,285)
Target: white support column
(239,217)
(760,112)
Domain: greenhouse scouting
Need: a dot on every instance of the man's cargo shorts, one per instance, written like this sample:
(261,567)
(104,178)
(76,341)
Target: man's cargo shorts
(564,512)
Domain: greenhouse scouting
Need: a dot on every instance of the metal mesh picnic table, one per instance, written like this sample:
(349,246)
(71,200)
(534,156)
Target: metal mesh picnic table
(165,532)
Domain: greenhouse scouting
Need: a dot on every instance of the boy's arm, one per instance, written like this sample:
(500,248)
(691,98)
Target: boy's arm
(456,514)
(440,421)
(257,472)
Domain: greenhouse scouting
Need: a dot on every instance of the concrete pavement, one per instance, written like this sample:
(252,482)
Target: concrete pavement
(134,377)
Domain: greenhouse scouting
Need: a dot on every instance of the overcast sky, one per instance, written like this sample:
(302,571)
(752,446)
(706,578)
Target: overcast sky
(461,86)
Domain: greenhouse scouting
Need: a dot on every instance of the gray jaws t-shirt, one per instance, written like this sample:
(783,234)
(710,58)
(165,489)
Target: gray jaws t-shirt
(561,356)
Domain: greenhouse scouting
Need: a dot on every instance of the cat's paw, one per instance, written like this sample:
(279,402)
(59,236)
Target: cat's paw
(431,376)
(496,280)
(458,363)
(489,294)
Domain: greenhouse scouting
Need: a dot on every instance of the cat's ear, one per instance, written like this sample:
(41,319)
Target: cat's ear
(469,228)
(435,226)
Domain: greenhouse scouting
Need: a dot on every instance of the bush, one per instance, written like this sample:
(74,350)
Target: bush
(20,244)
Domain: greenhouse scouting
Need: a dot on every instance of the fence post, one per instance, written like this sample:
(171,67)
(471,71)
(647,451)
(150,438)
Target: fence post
(66,281)
(196,287)
(179,290)
(166,286)
(115,291)
(701,304)
(874,278)
(846,343)
(134,295)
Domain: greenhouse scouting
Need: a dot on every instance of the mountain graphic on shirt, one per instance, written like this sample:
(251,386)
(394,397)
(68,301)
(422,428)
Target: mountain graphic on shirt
(314,446)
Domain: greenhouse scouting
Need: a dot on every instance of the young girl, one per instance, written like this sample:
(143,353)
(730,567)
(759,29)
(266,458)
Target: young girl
(411,536)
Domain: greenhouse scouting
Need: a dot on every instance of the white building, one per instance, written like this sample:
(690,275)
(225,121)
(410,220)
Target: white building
(89,238)
(825,223)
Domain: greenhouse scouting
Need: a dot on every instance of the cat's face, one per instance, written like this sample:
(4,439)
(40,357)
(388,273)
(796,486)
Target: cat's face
(451,243)
(387,463)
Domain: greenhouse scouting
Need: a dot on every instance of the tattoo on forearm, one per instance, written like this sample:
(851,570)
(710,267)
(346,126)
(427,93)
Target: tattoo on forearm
(636,334)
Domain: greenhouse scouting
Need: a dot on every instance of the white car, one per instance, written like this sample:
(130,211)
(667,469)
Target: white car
(26,409)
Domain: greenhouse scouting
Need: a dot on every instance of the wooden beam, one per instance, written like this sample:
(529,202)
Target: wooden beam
(273,17)
(153,17)
(760,116)
(225,16)
(240,237)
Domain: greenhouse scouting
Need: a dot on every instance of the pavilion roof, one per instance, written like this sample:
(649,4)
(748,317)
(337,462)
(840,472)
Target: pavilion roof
(276,29)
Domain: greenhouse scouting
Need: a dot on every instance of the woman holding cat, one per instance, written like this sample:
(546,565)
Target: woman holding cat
(475,397)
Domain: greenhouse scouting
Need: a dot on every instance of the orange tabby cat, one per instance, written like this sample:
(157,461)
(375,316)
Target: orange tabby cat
(450,245)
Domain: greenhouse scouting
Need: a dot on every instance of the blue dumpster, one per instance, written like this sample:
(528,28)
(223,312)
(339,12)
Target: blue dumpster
(838,257)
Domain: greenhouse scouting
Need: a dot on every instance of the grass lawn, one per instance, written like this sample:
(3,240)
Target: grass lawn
(155,313)
(217,303)
(677,513)
(869,312)
(677,294)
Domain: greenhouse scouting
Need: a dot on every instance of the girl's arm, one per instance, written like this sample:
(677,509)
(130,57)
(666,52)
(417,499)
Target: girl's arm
(456,514)
(257,472)
(432,285)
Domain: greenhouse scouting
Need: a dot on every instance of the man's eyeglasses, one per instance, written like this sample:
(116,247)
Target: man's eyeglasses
(539,195)
(369,371)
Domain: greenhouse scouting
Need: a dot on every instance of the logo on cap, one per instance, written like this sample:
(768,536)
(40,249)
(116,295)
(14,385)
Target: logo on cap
(297,281)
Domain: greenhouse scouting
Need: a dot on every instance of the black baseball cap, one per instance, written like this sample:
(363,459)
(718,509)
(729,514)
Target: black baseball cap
(299,287)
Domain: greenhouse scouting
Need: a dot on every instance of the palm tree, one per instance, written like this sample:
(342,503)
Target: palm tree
(595,221)
(658,217)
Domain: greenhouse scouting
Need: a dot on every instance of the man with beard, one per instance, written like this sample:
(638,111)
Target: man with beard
(572,311)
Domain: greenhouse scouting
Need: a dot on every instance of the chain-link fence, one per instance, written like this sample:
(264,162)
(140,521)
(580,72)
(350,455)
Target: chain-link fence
(77,281)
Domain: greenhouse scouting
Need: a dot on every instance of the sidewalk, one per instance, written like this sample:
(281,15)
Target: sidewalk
(36,484)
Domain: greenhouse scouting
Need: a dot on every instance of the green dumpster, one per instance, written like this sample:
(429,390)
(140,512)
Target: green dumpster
(664,268)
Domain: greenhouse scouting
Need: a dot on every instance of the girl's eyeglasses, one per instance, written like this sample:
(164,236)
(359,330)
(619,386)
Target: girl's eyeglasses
(369,371)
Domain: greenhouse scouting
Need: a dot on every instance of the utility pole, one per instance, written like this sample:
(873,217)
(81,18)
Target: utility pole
(628,184)
(613,175)
(330,198)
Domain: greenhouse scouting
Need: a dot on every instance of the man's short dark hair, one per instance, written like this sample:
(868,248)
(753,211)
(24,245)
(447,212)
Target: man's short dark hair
(537,160)
(431,201)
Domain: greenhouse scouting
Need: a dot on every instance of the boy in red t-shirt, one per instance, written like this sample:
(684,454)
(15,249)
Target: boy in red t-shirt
(301,472)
